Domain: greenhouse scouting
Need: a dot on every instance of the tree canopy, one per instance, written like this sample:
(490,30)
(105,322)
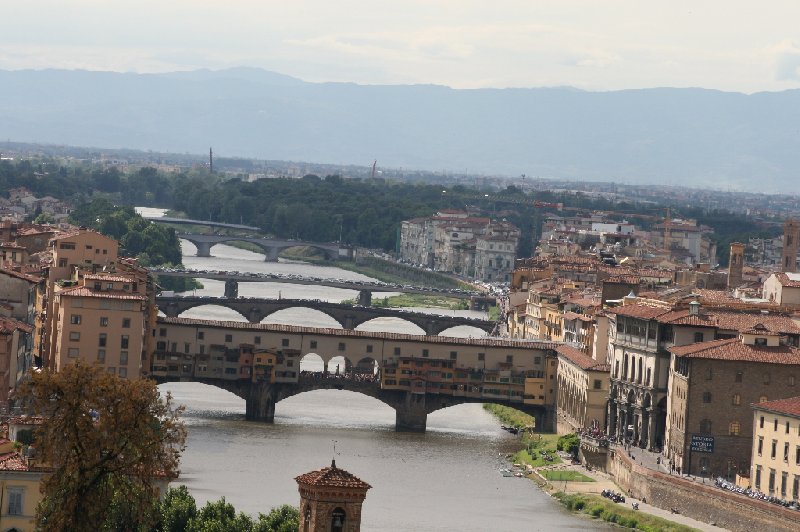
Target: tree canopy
(109,440)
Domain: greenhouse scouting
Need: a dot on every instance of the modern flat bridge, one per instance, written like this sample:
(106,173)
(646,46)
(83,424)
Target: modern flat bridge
(365,288)
(186,221)
(415,375)
(272,247)
(347,316)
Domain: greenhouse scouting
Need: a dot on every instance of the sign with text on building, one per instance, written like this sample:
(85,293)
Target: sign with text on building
(702,444)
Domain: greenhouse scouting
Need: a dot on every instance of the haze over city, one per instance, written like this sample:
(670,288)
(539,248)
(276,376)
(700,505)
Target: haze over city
(619,44)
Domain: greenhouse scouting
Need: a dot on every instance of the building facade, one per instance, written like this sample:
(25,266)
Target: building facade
(775,455)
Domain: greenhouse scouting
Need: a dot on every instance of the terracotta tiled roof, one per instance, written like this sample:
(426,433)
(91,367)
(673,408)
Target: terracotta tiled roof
(109,278)
(786,282)
(579,358)
(20,275)
(332,477)
(734,349)
(8,325)
(790,406)
(646,312)
(13,462)
(83,291)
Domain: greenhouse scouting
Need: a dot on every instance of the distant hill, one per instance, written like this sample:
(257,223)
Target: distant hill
(680,136)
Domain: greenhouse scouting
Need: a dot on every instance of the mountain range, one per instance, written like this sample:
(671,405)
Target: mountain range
(684,136)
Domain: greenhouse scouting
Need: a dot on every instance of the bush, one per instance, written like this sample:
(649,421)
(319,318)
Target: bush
(569,443)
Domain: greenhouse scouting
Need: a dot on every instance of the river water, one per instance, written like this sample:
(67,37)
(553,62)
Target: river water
(446,479)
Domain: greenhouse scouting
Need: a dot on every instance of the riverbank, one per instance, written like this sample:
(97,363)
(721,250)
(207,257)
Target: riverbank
(611,512)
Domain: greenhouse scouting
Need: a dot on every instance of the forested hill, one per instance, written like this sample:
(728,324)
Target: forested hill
(682,136)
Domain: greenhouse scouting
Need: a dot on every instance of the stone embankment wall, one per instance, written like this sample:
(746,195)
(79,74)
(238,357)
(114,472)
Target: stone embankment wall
(705,503)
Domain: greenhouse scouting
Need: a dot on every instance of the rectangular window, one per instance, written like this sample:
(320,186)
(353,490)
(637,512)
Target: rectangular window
(284,342)
(706,397)
(775,425)
(786,451)
(795,487)
(797,455)
(787,427)
(761,445)
(74,336)
(162,332)
(313,345)
(126,323)
(598,384)
(774,449)
(123,358)
(698,337)
(453,355)
(186,347)
(103,321)
(425,353)
(101,355)
(397,352)
(123,342)
(102,340)
(761,423)
(228,338)
(758,478)
(784,479)
(342,347)
(369,349)
(771,480)
(14,501)
(257,340)
(75,319)
(123,373)
(481,356)
(509,359)
(200,335)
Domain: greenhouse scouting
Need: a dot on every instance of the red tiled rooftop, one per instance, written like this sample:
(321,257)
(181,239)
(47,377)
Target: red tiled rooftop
(580,359)
(636,310)
(332,477)
(83,291)
(734,349)
(790,406)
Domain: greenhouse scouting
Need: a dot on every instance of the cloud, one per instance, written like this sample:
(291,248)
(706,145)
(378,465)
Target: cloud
(786,56)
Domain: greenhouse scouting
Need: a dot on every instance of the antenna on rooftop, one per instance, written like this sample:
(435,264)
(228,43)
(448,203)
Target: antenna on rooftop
(210,161)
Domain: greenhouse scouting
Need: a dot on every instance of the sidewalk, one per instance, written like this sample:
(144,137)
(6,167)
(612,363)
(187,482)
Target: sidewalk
(603,481)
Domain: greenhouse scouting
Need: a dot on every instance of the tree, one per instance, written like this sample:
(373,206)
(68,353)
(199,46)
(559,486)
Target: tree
(177,509)
(220,516)
(107,439)
(284,518)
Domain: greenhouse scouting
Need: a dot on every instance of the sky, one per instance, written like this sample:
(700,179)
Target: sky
(732,45)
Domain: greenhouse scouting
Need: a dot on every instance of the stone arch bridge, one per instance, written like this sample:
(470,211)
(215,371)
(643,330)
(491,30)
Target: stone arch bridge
(272,247)
(347,316)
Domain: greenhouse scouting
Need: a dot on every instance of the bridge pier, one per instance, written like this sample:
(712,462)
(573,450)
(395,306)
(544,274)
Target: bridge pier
(365,298)
(260,403)
(203,248)
(271,254)
(231,289)
(411,415)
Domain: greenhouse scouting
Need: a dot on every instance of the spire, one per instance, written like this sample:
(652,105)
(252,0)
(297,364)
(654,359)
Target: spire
(333,463)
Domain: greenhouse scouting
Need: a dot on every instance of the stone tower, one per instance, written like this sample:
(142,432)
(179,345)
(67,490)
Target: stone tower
(735,265)
(791,233)
(330,500)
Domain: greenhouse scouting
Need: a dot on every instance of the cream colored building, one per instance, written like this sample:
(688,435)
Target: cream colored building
(100,319)
(775,468)
(582,390)
(19,489)
(782,288)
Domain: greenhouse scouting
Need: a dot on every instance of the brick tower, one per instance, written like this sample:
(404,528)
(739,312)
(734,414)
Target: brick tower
(330,500)
(791,233)
(735,265)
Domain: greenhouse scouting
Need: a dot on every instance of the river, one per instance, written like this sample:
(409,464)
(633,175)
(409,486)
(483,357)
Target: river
(446,479)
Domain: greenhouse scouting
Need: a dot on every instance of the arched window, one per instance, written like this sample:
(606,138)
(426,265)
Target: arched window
(338,518)
(736,400)
(734,428)
(705,426)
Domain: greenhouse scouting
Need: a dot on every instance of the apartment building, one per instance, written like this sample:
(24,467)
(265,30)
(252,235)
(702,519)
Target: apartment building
(775,455)
(582,390)
(100,319)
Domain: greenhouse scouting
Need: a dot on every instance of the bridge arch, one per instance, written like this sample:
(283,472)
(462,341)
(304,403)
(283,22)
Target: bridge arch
(389,324)
(464,331)
(222,312)
(311,317)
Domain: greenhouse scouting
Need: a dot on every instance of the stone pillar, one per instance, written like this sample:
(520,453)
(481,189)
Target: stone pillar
(411,416)
(255,316)
(203,248)
(231,289)
(349,323)
(651,430)
(260,404)
(271,254)
(170,310)
(365,298)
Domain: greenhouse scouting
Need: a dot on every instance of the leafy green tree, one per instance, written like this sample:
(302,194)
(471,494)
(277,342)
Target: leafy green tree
(220,516)
(285,518)
(178,509)
(107,439)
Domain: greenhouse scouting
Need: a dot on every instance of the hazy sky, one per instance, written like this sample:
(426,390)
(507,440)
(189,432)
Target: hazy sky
(740,45)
